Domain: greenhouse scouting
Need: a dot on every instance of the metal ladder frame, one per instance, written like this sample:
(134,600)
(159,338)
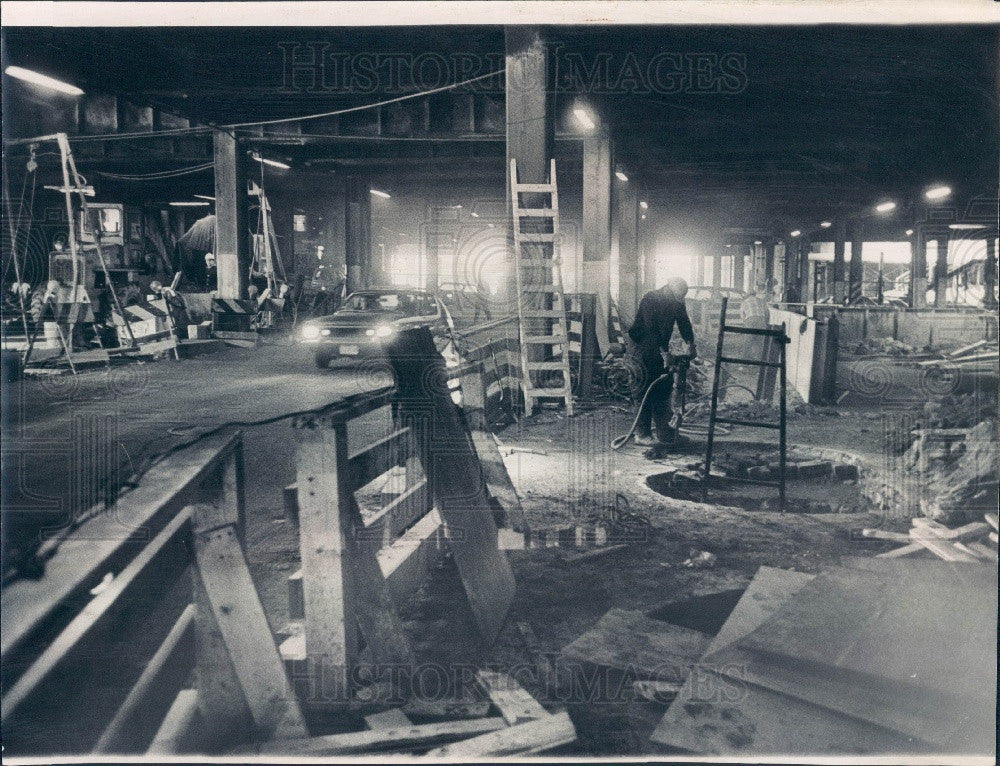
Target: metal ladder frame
(781,338)
(555,317)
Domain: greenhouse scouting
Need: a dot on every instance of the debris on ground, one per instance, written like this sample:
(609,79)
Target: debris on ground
(965,543)
(700,560)
(883,346)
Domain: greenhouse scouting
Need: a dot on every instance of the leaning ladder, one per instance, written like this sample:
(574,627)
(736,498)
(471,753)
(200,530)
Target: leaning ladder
(541,305)
(778,337)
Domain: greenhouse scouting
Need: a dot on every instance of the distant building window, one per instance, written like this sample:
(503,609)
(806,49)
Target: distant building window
(299,221)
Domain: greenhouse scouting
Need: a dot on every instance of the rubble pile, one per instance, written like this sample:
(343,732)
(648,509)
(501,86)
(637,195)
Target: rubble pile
(883,346)
(959,474)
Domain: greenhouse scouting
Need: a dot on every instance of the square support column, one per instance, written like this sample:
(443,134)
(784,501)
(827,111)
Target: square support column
(232,253)
(804,248)
(918,268)
(941,271)
(628,251)
(855,288)
(597,228)
(358,234)
(739,267)
(990,274)
(767,273)
(839,263)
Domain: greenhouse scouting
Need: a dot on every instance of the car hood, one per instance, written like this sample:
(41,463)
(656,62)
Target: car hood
(357,319)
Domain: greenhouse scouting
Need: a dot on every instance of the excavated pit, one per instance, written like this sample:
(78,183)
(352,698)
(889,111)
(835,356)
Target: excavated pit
(814,483)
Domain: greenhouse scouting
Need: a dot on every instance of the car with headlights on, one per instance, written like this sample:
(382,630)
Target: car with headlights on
(369,318)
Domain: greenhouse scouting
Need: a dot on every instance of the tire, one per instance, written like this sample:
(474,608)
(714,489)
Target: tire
(323,359)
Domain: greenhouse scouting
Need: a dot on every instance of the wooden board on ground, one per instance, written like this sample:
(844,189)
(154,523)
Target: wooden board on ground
(513,702)
(859,643)
(717,714)
(388,719)
(402,738)
(524,739)
(631,642)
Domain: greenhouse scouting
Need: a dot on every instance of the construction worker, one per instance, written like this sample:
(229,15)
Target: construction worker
(648,339)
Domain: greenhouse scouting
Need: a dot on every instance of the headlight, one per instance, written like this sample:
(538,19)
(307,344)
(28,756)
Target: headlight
(310,332)
(384,331)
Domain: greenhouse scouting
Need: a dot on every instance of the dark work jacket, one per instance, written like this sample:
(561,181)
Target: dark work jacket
(654,322)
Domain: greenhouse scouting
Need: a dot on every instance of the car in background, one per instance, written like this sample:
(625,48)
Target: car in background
(368,318)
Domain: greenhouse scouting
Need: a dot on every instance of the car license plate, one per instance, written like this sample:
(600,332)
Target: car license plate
(349,350)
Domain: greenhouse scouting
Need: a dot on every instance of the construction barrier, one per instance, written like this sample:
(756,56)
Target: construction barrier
(151,325)
(233,319)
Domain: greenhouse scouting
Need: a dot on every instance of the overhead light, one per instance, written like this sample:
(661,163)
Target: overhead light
(188,204)
(203,196)
(758,242)
(909,232)
(938,192)
(621,176)
(382,194)
(644,205)
(492,225)
(272,163)
(794,233)
(885,207)
(45,81)
(826,224)
(584,118)
(728,245)
(642,217)
(966,226)
(474,214)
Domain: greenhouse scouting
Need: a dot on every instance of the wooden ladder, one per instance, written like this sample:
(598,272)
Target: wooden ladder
(775,336)
(541,305)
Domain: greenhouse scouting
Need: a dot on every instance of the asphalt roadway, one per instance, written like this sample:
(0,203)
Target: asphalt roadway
(70,440)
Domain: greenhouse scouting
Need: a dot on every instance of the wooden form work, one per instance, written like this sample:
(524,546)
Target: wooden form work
(146,632)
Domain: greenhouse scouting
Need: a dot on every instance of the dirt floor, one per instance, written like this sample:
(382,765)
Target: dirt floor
(566,475)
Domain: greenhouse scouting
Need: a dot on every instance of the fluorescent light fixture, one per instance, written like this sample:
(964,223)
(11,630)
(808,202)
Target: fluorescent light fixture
(379,193)
(966,226)
(826,224)
(474,214)
(794,233)
(938,192)
(644,205)
(728,244)
(758,242)
(642,217)
(272,163)
(35,78)
(621,176)
(188,204)
(885,207)
(203,196)
(584,118)
(909,232)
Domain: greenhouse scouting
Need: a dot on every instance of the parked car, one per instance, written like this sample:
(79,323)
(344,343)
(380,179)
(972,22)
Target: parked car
(368,318)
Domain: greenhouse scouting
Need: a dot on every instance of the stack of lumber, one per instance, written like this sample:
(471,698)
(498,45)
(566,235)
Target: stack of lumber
(976,541)
(875,657)
(518,726)
(981,356)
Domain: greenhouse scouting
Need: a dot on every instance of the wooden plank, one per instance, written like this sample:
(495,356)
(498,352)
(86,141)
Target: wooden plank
(400,513)
(513,702)
(401,738)
(178,733)
(388,719)
(370,462)
(154,692)
(991,519)
(223,572)
(906,550)
(982,551)
(101,544)
(879,534)
(941,548)
(331,641)
(524,739)
(98,612)
(959,534)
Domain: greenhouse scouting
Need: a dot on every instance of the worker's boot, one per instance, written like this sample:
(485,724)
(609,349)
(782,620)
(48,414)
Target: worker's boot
(665,434)
(644,426)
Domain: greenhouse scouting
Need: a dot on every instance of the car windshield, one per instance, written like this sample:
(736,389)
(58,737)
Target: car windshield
(407,304)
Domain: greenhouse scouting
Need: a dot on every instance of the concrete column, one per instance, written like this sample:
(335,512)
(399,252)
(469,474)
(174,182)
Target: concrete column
(918,268)
(790,274)
(716,267)
(804,282)
(648,245)
(232,253)
(628,251)
(358,231)
(839,249)
(597,228)
(530,127)
(856,270)
(699,266)
(739,267)
(990,274)
(768,271)
(941,270)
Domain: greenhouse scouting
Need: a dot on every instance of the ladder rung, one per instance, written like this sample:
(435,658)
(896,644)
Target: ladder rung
(527,236)
(555,393)
(543,314)
(547,365)
(756,362)
(545,339)
(754,331)
(536,188)
(535,212)
(751,423)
